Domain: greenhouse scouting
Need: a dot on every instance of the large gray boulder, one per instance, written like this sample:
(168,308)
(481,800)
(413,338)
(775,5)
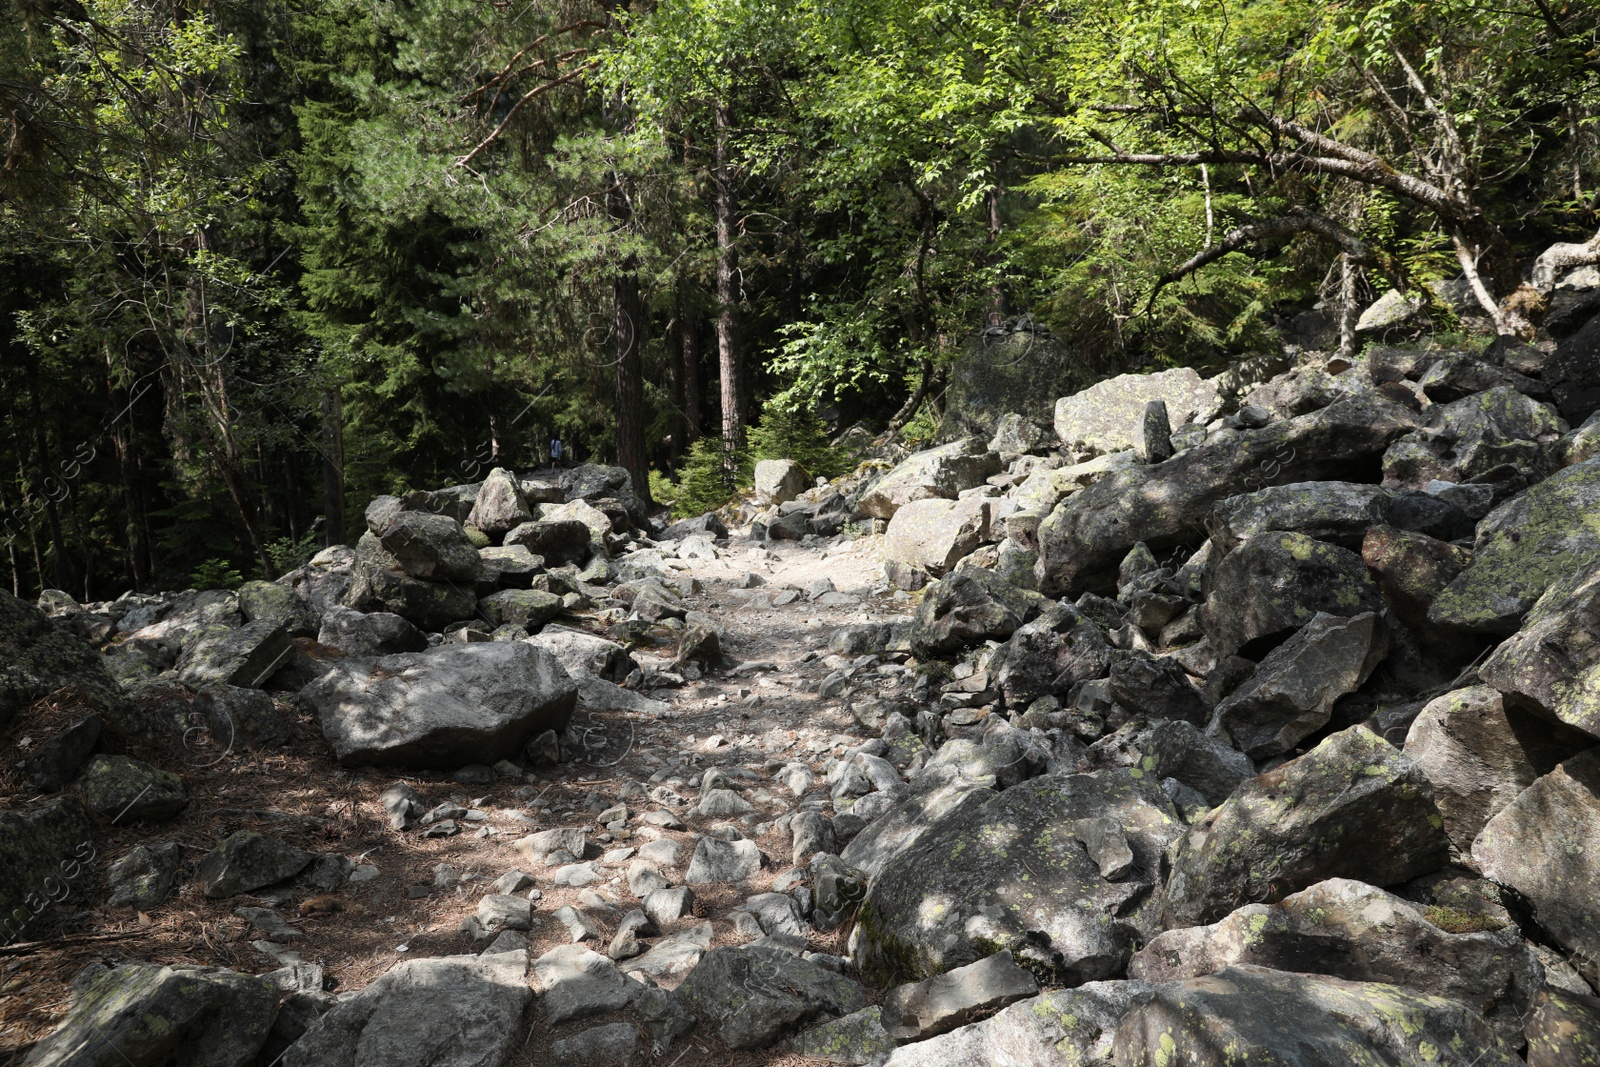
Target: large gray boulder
(938,472)
(755,995)
(500,505)
(246,860)
(1049,655)
(966,608)
(244,657)
(897,830)
(1549,666)
(1352,930)
(1480,753)
(449,1011)
(377,633)
(1247,1014)
(1275,583)
(1337,512)
(1001,370)
(125,790)
(1542,845)
(1573,373)
(937,1005)
(376,585)
(554,540)
(276,602)
(1009,873)
(936,534)
(585,655)
(1291,694)
(145,1015)
(434,547)
(1522,547)
(1467,438)
(1086,537)
(1353,807)
(778,481)
(42,658)
(448,706)
(1062,1027)
(42,849)
(1108,416)
(579,983)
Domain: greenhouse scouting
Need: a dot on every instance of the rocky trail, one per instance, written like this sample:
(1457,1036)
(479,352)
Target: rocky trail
(1244,716)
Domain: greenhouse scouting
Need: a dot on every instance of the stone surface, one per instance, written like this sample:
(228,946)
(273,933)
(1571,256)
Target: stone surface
(938,472)
(1291,694)
(935,534)
(966,608)
(938,1005)
(1018,434)
(1523,546)
(41,848)
(143,878)
(1252,1015)
(500,505)
(1412,569)
(1337,512)
(1009,873)
(1390,310)
(241,719)
(244,657)
(1275,583)
(1154,444)
(1203,763)
(42,658)
(143,1015)
(377,633)
(554,540)
(1049,655)
(1572,373)
(431,546)
(857,1038)
(1062,1028)
(873,848)
(778,481)
(1551,665)
(246,860)
(1564,1030)
(277,603)
(528,608)
(1088,533)
(1353,807)
(449,1011)
(1542,845)
(126,790)
(584,654)
(1479,754)
(1351,930)
(1109,416)
(578,983)
(752,996)
(717,861)
(451,705)
(1463,440)
(377,585)
(54,763)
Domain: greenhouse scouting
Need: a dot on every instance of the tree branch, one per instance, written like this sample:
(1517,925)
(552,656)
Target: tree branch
(538,90)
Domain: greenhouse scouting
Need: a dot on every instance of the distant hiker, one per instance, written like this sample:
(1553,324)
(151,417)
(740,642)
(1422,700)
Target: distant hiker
(555,451)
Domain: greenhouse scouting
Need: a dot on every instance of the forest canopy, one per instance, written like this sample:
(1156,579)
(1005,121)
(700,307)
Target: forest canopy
(264,261)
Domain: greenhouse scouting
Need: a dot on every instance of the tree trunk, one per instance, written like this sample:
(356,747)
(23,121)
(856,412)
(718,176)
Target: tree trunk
(333,466)
(625,315)
(728,361)
(999,306)
(689,329)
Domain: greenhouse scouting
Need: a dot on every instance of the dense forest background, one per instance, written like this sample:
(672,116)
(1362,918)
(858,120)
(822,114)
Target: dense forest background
(263,260)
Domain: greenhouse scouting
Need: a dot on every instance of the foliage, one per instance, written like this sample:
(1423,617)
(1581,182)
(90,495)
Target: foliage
(216,573)
(800,435)
(701,485)
(287,553)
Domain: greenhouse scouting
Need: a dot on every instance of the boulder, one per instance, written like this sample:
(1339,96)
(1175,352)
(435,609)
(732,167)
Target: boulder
(446,707)
(1337,512)
(242,718)
(1455,376)
(1542,845)
(1468,438)
(376,587)
(585,655)
(1010,368)
(378,633)
(126,790)
(42,849)
(578,983)
(1018,435)
(1480,754)
(754,995)
(145,1015)
(500,505)
(431,546)
(1549,666)
(448,1011)
(528,608)
(1085,538)
(245,657)
(1048,656)
(1009,873)
(1154,444)
(708,523)
(1247,1014)
(909,821)
(1203,763)
(1573,373)
(1109,416)
(1564,1030)
(246,860)
(1352,930)
(274,602)
(41,658)
(54,763)
(1412,569)
(778,481)
(857,1038)
(554,540)
(1291,694)
(1390,310)
(1275,583)
(510,566)
(966,608)
(1353,807)
(143,878)
(935,534)
(938,1005)
(938,472)
(1522,547)
(1155,688)
(1061,1027)
(717,861)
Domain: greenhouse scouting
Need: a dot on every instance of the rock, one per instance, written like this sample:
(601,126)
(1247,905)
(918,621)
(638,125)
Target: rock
(723,861)
(41,658)
(938,472)
(1412,569)
(1154,444)
(585,654)
(375,587)
(1337,512)
(1015,368)
(778,481)
(244,657)
(1062,1027)
(126,790)
(1549,666)
(1454,377)
(938,1005)
(966,608)
(1107,846)
(378,633)
(1352,807)
(811,833)
(143,878)
(1275,583)
(873,848)
(752,995)
(1542,845)
(554,540)
(144,1015)
(1468,438)
(1154,688)
(1564,1030)
(1088,533)
(936,534)
(510,566)
(1257,1015)
(666,906)
(1434,515)
(431,546)
(1571,373)
(613,1043)
(449,1011)
(242,717)
(1018,434)
(1351,930)
(665,1016)
(701,642)
(42,849)
(57,761)
(246,860)
(528,608)
(498,912)
(1390,310)
(1203,763)
(402,804)
(857,1038)
(703,524)
(275,603)
(1291,694)
(1049,655)
(1008,873)
(539,847)
(450,705)
(1479,754)
(500,505)
(578,983)
(598,522)
(673,957)
(1522,547)
(1108,416)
